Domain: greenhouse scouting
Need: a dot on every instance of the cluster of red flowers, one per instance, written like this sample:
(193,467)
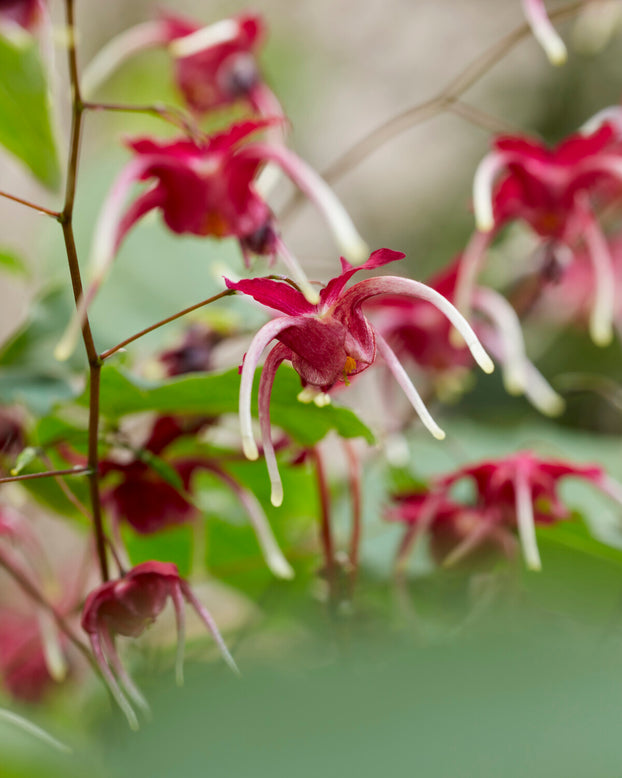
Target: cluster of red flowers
(213,185)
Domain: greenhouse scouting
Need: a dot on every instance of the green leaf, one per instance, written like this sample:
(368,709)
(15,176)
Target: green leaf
(25,126)
(12,263)
(217,393)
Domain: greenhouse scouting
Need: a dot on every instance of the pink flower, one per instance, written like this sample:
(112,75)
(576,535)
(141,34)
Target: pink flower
(11,433)
(127,607)
(516,491)
(416,330)
(25,13)
(24,660)
(207,188)
(215,66)
(555,191)
(454,529)
(544,32)
(149,503)
(329,342)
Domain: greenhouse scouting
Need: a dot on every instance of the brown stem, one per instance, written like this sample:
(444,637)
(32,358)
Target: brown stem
(47,474)
(165,112)
(482,119)
(326,536)
(66,219)
(421,112)
(354,478)
(23,580)
(105,354)
(28,204)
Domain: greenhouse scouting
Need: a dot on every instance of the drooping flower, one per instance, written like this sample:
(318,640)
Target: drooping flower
(207,188)
(416,330)
(329,342)
(127,607)
(214,66)
(454,529)
(557,192)
(544,32)
(146,500)
(518,491)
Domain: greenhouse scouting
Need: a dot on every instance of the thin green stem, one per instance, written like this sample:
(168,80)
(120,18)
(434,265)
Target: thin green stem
(105,354)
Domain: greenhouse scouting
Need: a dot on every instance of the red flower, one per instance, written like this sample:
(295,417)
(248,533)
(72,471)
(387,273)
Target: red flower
(25,13)
(207,188)
(329,342)
(215,66)
(516,491)
(149,503)
(415,329)
(127,607)
(24,662)
(454,529)
(194,354)
(555,191)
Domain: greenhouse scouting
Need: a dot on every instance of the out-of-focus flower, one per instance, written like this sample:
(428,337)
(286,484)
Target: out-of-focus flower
(150,503)
(215,66)
(518,491)
(25,13)
(207,188)
(127,607)
(416,330)
(454,529)
(544,32)
(11,433)
(556,192)
(24,662)
(195,352)
(329,342)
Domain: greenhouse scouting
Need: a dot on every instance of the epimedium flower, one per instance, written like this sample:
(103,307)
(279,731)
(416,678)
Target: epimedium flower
(206,188)
(453,528)
(557,193)
(214,65)
(329,342)
(24,13)
(418,331)
(127,606)
(194,354)
(544,32)
(148,502)
(517,491)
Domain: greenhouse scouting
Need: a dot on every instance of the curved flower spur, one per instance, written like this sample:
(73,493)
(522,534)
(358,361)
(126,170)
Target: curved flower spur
(330,341)
(544,32)
(127,607)
(557,192)
(207,188)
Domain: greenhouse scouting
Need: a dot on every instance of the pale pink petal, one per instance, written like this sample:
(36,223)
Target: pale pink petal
(266,334)
(209,622)
(483,184)
(468,270)
(408,387)
(275,357)
(603,309)
(394,285)
(205,38)
(180,618)
(544,32)
(118,50)
(298,274)
(525,519)
(317,190)
(267,542)
(112,682)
